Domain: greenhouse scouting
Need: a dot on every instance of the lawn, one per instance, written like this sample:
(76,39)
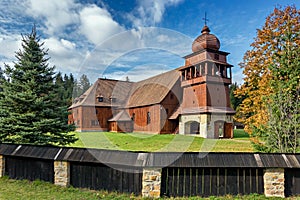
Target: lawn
(162,143)
(38,190)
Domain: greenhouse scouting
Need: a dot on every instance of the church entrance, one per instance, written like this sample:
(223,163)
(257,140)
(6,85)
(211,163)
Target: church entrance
(223,129)
(192,128)
(219,129)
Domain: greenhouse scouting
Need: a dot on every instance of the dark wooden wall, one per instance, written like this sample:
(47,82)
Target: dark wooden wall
(102,177)
(121,126)
(140,121)
(29,168)
(170,103)
(84,115)
(211,181)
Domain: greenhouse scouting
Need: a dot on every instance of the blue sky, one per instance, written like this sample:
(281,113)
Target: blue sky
(138,39)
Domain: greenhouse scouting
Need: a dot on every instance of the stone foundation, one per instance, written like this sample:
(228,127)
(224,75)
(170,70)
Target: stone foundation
(151,183)
(62,173)
(274,182)
(2,166)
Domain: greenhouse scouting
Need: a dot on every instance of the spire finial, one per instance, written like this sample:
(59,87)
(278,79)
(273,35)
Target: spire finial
(205,19)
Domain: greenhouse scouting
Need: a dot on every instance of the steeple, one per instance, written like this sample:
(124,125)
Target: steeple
(205,40)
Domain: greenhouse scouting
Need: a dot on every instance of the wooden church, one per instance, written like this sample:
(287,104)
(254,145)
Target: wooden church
(192,99)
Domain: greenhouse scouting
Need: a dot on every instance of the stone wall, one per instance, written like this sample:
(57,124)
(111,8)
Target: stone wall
(62,173)
(151,183)
(274,182)
(2,165)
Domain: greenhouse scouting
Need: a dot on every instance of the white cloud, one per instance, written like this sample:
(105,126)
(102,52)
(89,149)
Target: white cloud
(56,13)
(97,24)
(149,13)
(9,45)
(63,54)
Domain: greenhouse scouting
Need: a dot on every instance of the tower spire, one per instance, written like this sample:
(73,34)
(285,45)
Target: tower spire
(205,19)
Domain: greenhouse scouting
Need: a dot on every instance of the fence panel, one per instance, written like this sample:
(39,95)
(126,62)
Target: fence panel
(211,181)
(29,168)
(292,182)
(102,177)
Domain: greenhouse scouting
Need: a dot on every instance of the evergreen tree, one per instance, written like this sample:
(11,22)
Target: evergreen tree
(69,86)
(2,79)
(30,110)
(235,101)
(81,86)
(84,84)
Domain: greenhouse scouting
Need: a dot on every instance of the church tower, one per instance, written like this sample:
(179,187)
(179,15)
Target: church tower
(205,80)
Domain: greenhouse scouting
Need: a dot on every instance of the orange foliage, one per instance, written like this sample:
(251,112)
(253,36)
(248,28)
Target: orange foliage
(256,62)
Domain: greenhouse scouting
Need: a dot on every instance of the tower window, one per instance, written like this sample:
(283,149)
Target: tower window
(148,118)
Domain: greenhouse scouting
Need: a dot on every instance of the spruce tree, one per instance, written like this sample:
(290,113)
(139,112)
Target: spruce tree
(30,110)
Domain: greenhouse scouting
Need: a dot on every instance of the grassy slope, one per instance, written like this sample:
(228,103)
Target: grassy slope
(154,142)
(38,190)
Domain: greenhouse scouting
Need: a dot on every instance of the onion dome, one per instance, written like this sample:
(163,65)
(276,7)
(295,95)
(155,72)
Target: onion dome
(206,41)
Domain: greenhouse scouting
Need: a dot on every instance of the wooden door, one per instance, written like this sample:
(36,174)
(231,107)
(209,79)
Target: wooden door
(228,132)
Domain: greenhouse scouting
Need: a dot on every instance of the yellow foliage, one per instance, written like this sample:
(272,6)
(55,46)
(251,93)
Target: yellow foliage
(256,62)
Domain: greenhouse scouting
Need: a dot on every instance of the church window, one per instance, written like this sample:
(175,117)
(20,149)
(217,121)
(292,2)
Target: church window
(100,98)
(94,122)
(148,117)
(133,117)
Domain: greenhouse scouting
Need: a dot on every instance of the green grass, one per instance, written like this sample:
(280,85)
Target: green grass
(162,143)
(39,190)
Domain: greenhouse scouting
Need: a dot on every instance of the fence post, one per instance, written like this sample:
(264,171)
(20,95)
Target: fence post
(2,165)
(62,173)
(274,182)
(151,182)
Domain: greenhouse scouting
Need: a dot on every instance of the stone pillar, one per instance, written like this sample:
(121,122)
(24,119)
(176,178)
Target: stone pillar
(274,182)
(151,183)
(2,165)
(62,173)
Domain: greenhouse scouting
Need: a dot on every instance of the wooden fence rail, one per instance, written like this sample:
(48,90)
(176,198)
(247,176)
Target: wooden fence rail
(155,174)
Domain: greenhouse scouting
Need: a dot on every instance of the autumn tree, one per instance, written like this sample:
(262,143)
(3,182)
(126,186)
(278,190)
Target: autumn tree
(30,110)
(268,70)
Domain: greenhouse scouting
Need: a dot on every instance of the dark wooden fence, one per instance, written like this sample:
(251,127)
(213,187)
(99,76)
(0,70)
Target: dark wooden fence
(183,174)
(29,168)
(102,177)
(292,182)
(211,181)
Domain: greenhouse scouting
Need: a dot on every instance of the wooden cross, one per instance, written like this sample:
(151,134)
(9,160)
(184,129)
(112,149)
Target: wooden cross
(205,19)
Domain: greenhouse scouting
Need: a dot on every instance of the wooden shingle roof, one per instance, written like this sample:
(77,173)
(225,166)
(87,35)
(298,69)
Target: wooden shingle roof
(152,90)
(129,94)
(107,88)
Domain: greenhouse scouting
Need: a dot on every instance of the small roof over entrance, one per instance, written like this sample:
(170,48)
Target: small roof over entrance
(122,116)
